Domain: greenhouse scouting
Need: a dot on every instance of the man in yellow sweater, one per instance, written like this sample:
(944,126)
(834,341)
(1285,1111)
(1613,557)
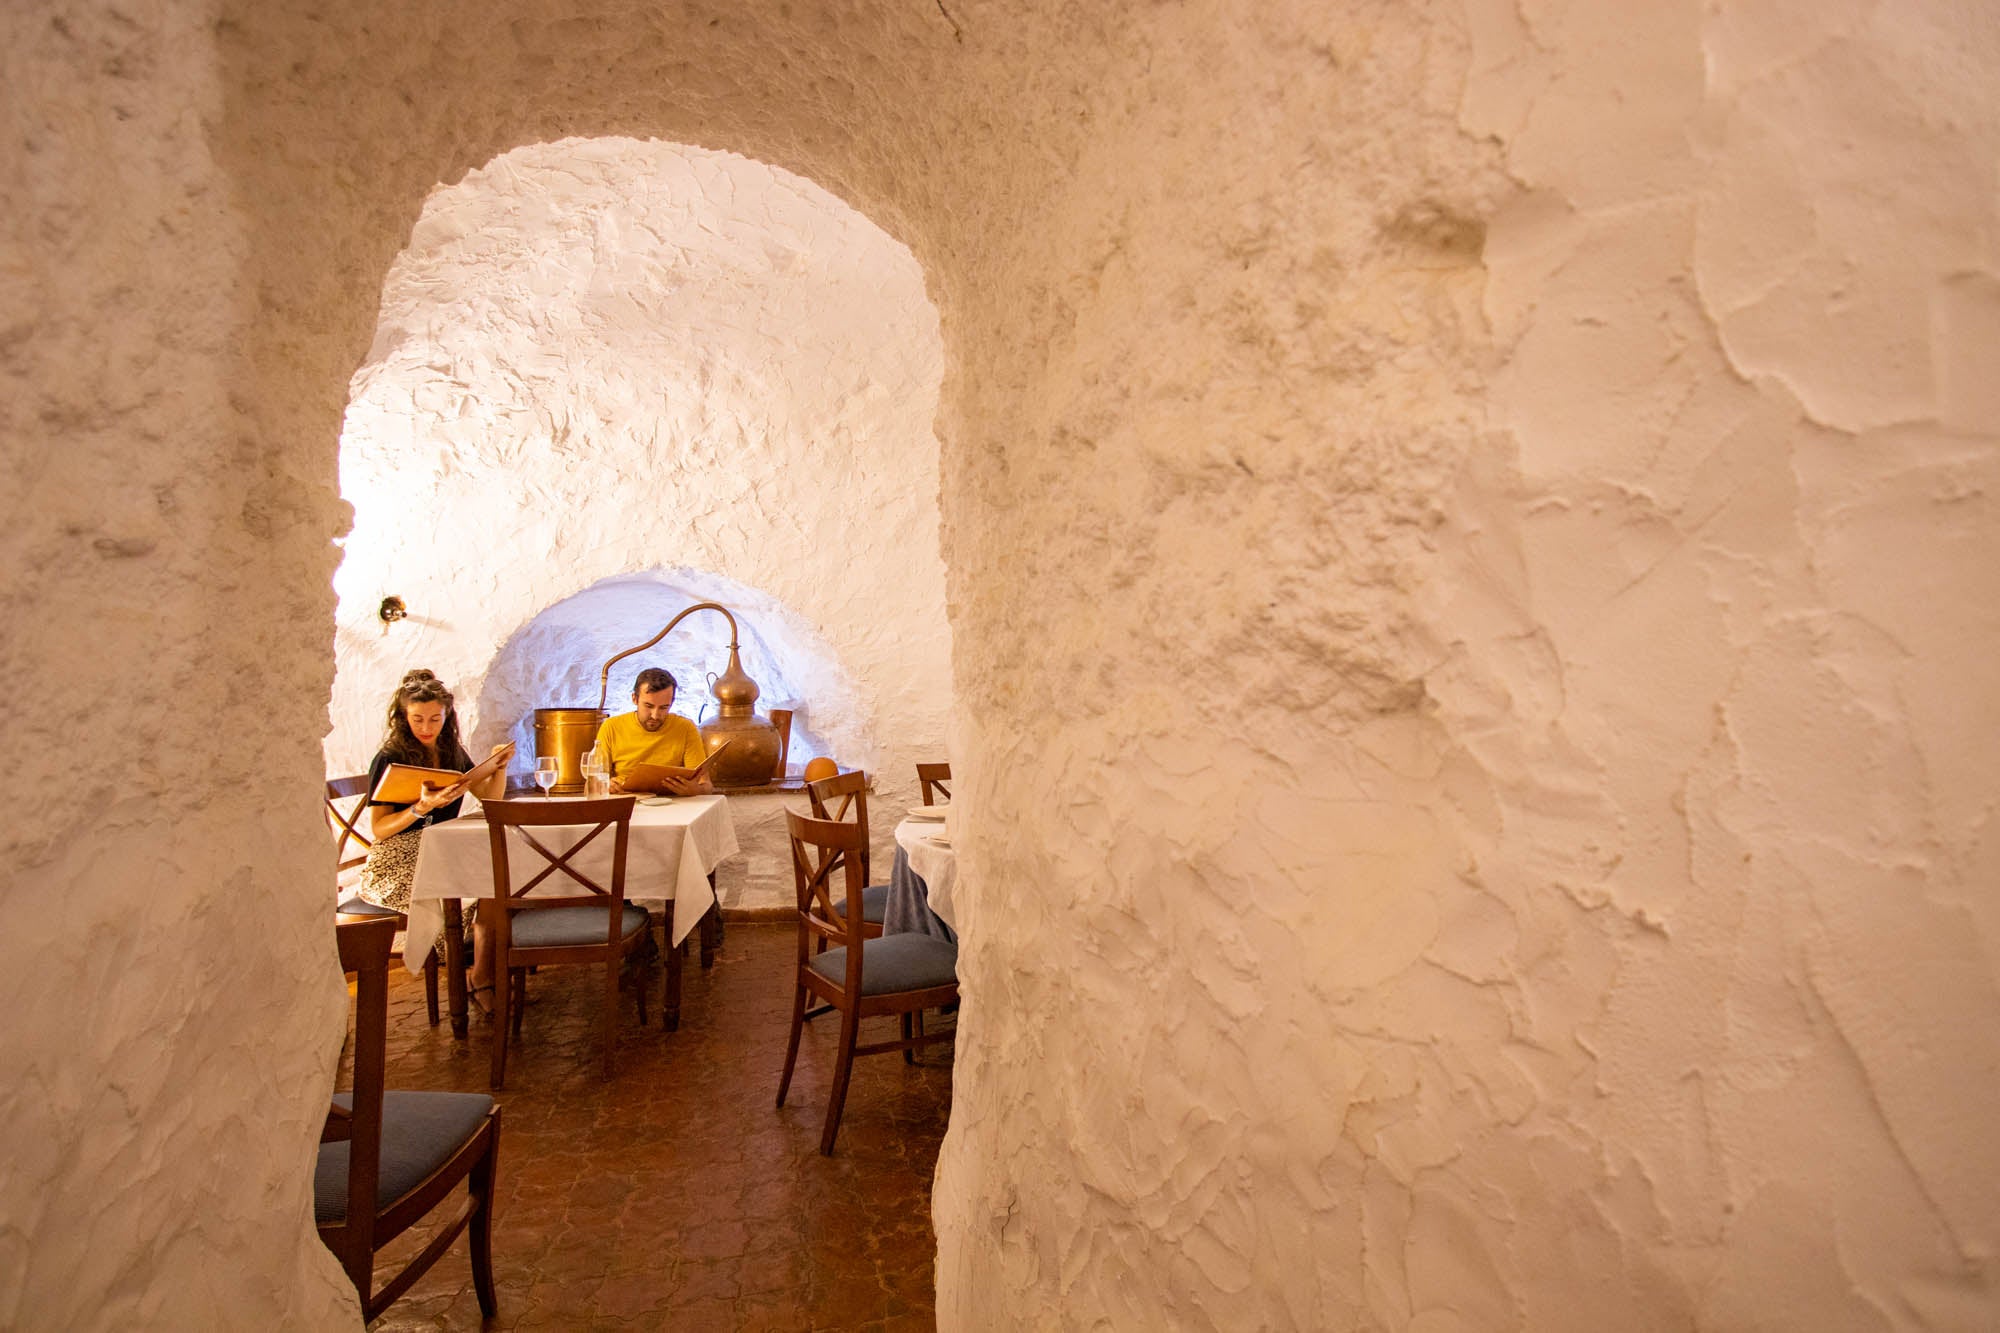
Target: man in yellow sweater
(651,734)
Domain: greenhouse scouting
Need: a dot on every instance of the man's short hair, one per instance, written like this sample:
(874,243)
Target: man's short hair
(652,680)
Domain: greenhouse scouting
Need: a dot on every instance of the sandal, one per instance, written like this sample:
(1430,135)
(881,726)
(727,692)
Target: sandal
(473,993)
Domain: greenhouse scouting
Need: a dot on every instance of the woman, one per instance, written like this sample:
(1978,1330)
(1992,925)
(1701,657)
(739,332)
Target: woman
(423,731)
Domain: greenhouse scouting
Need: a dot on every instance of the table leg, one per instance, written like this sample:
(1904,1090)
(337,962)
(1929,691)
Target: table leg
(718,909)
(711,935)
(670,1002)
(454,959)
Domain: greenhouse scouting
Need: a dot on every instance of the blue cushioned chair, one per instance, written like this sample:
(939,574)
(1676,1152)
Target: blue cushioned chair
(401,1153)
(595,925)
(861,977)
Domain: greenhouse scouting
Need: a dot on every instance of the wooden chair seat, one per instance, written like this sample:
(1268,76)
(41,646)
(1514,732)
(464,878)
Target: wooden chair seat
(571,927)
(421,1133)
(893,963)
(874,905)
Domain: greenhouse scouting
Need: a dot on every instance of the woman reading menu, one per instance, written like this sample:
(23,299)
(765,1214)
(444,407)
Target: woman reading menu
(423,733)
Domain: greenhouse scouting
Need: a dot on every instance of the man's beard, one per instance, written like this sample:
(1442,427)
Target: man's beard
(654,724)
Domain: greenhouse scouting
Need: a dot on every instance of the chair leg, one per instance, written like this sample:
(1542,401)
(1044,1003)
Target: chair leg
(850,1032)
(792,1048)
(481,1240)
(431,986)
(610,1014)
(520,999)
(503,1010)
(454,957)
(909,1054)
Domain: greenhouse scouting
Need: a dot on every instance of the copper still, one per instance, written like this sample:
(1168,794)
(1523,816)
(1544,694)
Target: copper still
(754,743)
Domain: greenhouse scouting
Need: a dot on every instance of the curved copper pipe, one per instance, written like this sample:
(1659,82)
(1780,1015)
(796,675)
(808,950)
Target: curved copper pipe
(604,681)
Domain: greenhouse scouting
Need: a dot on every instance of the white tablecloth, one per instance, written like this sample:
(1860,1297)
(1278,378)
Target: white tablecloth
(668,857)
(931,856)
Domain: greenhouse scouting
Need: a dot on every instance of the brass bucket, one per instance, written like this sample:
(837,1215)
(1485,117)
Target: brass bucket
(567,733)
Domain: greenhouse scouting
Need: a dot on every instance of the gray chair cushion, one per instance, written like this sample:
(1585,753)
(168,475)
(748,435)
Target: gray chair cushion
(894,963)
(358,906)
(874,903)
(561,927)
(420,1132)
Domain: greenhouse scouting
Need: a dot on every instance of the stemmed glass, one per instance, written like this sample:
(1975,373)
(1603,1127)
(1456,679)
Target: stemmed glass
(545,773)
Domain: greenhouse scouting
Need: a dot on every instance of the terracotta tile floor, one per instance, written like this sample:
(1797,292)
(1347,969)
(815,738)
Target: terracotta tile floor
(676,1196)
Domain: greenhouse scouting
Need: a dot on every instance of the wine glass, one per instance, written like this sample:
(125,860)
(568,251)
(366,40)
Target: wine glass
(545,773)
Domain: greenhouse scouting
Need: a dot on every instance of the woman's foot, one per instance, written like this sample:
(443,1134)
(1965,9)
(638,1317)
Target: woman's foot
(481,997)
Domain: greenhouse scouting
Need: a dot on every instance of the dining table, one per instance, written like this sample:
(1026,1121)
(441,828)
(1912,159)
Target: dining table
(672,851)
(924,878)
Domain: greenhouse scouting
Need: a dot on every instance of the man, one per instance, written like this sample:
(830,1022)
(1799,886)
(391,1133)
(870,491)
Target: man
(651,734)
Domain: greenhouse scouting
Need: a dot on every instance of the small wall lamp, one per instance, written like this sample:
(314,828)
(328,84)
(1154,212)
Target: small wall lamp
(392,610)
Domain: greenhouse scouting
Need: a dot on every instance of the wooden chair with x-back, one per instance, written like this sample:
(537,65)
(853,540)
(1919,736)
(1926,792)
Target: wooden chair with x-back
(592,924)
(932,779)
(862,978)
(351,842)
(844,797)
(388,1159)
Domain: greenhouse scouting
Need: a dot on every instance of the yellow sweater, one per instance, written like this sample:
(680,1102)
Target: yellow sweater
(622,742)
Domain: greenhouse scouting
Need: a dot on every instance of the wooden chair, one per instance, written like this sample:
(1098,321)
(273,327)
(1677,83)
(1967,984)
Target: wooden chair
(348,828)
(401,1153)
(932,778)
(596,926)
(851,791)
(861,977)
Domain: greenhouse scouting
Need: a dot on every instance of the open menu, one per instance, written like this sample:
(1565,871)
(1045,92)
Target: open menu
(654,777)
(403,784)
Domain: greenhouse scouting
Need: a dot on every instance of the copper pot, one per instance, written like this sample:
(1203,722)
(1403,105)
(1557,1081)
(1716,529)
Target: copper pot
(567,733)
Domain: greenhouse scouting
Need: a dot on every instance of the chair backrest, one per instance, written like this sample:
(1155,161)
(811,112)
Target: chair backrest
(850,791)
(826,863)
(364,951)
(932,778)
(610,812)
(348,826)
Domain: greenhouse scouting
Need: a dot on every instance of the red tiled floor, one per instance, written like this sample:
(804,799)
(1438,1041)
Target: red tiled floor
(677,1196)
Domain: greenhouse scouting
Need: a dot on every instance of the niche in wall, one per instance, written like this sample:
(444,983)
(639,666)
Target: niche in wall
(555,659)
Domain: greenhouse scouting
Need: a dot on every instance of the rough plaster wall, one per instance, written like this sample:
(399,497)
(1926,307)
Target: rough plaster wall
(1601,933)
(608,356)
(1565,948)
(172,1010)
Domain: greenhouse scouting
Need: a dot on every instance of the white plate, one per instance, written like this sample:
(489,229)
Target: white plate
(930,812)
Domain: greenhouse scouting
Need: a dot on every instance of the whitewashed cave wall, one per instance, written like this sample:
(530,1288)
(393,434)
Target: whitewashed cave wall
(1565,436)
(173,1012)
(669,368)
(1568,421)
